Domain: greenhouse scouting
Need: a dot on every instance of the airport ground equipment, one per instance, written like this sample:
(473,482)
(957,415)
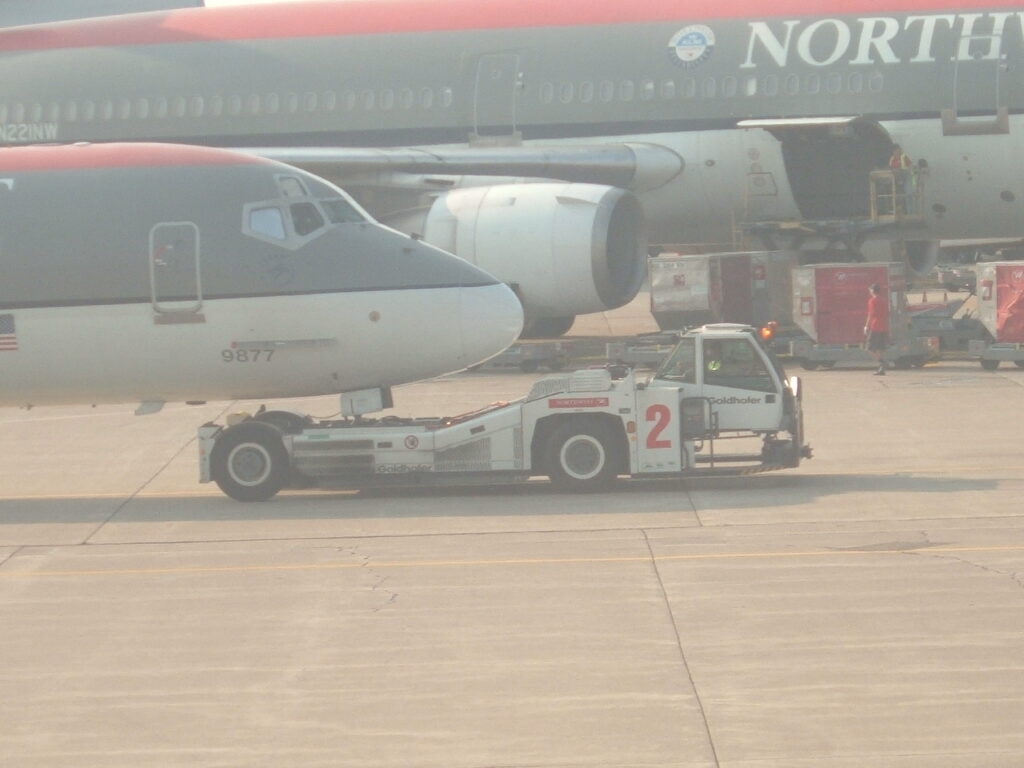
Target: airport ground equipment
(531,356)
(951,321)
(1001,311)
(648,350)
(689,290)
(830,306)
(581,429)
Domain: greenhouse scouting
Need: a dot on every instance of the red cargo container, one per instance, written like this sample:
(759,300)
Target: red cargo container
(1001,299)
(831,300)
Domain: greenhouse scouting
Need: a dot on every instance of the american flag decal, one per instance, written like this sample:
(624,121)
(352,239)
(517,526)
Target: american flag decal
(8,338)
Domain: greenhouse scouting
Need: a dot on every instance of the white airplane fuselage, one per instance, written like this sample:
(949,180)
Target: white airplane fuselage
(166,273)
(941,78)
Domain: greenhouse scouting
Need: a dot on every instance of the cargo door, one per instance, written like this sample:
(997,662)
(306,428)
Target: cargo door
(842,306)
(737,298)
(174,272)
(1009,301)
(496,95)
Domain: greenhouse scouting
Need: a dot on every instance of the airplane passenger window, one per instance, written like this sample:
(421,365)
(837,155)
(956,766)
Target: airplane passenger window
(586,92)
(330,101)
(291,103)
(267,222)
(19,114)
(306,219)
(447,97)
(124,109)
(427,98)
(3,113)
(405,98)
(310,101)
(668,90)
(607,90)
(37,112)
(70,112)
(340,211)
(142,108)
(273,103)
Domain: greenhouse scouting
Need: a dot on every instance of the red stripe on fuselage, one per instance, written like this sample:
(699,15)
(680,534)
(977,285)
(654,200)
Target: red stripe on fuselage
(91,156)
(369,17)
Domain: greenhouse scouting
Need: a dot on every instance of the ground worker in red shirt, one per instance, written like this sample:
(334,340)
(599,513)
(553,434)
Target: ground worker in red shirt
(876,328)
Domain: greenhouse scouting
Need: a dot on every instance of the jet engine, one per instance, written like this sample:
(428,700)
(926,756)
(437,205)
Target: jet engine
(566,249)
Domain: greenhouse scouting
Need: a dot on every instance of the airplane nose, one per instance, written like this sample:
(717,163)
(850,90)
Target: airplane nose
(492,318)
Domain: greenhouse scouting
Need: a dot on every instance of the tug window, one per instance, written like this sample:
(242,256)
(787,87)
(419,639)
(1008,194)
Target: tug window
(305,218)
(267,222)
(736,363)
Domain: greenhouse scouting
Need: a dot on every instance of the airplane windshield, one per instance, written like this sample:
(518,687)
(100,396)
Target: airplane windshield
(341,211)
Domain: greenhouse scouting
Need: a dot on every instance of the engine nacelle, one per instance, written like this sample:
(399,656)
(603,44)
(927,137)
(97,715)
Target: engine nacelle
(567,249)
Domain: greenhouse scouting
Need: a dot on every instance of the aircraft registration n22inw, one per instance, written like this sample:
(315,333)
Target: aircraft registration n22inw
(709,113)
(152,273)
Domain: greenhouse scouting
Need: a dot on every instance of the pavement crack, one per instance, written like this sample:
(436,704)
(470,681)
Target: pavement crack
(12,553)
(134,494)
(682,652)
(1014,576)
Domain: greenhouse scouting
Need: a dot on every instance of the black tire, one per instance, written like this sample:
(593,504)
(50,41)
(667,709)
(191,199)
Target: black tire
(556,363)
(581,455)
(289,423)
(808,365)
(249,461)
(919,362)
(989,365)
(529,366)
(828,364)
(902,363)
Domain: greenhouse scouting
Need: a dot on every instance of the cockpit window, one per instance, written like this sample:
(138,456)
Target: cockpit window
(290,186)
(268,222)
(306,218)
(341,211)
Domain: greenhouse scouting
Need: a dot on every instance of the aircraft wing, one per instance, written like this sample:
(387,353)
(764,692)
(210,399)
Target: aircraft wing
(634,166)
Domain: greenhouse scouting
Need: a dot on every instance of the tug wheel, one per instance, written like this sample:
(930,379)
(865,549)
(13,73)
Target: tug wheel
(249,461)
(581,456)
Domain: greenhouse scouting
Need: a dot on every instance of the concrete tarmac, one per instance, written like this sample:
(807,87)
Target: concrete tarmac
(866,609)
